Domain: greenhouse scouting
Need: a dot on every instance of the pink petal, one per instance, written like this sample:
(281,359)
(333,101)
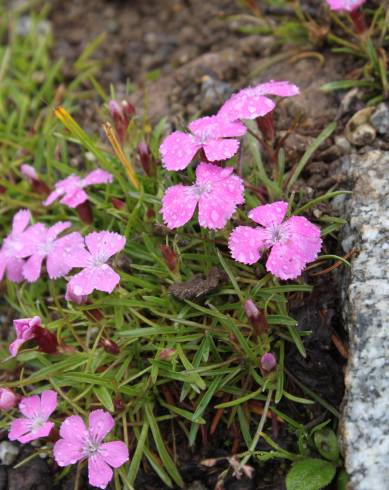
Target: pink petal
(53,196)
(218,204)
(214,127)
(178,150)
(30,406)
(73,429)
(74,198)
(305,237)
(15,346)
(99,473)
(66,453)
(48,403)
(43,431)
(3,264)
(347,5)
(21,220)
(246,104)
(97,177)
(32,268)
(19,427)
(33,239)
(281,88)
(285,261)
(221,149)
(114,453)
(104,243)
(100,424)
(67,252)
(246,243)
(178,205)
(29,171)
(269,214)
(63,186)
(101,278)
(56,229)
(15,269)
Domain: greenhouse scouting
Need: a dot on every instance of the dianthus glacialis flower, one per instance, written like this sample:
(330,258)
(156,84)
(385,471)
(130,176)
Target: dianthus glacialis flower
(72,188)
(59,251)
(252,102)
(17,246)
(293,242)
(217,192)
(96,273)
(215,135)
(79,442)
(36,410)
(345,5)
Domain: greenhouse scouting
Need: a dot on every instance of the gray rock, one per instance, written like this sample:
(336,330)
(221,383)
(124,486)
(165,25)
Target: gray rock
(8,452)
(365,420)
(380,119)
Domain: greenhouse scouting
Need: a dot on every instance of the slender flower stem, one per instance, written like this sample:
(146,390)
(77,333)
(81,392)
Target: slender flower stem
(259,431)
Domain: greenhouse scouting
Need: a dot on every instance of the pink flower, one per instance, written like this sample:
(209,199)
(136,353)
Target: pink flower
(17,246)
(96,273)
(36,410)
(25,331)
(59,252)
(216,191)
(293,243)
(72,188)
(347,5)
(8,399)
(213,134)
(252,102)
(78,442)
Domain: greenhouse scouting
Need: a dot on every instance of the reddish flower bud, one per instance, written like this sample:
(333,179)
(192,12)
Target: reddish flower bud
(8,399)
(85,213)
(2,189)
(37,184)
(268,362)
(121,115)
(118,203)
(170,257)
(167,354)
(358,20)
(118,403)
(266,126)
(109,346)
(146,159)
(256,317)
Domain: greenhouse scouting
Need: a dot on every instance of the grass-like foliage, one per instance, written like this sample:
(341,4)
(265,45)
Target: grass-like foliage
(168,367)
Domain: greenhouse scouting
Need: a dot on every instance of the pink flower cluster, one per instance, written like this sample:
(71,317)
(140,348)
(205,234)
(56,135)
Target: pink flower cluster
(27,247)
(217,191)
(77,441)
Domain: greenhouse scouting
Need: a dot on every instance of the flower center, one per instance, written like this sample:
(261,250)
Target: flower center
(37,423)
(277,233)
(91,447)
(200,190)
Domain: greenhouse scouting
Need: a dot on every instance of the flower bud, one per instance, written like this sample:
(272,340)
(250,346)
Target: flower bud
(121,115)
(118,203)
(8,399)
(71,295)
(268,362)
(46,340)
(109,346)
(146,159)
(37,184)
(85,213)
(170,257)
(167,354)
(256,317)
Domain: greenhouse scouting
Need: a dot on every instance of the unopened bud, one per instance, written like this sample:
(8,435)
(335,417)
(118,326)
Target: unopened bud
(121,114)
(170,257)
(37,184)
(118,203)
(110,346)
(268,362)
(146,159)
(85,213)
(167,354)
(8,399)
(118,403)
(73,296)
(256,317)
